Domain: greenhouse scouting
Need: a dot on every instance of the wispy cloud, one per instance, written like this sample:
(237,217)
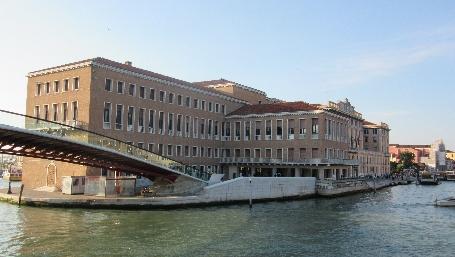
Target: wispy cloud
(394,57)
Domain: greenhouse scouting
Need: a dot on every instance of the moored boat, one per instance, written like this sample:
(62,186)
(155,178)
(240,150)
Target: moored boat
(447,202)
(13,174)
(427,178)
(450,175)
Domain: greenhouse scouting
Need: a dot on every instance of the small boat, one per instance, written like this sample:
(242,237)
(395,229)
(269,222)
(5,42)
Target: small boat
(13,174)
(450,175)
(429,179)
(447,202)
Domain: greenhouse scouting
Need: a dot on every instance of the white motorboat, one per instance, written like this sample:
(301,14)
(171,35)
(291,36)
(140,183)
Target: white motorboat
(447,202)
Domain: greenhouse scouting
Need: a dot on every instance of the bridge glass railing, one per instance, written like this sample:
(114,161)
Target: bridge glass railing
(80,135)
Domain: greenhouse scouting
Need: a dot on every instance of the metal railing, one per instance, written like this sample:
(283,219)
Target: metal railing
(283,161)
(80,135)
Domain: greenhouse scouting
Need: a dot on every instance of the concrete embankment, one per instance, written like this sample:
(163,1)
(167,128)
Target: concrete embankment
(231,191)
(332,188)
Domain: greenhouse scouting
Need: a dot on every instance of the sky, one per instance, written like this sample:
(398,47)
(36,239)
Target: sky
(394,60)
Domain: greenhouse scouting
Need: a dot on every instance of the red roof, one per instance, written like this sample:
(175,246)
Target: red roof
(275,108)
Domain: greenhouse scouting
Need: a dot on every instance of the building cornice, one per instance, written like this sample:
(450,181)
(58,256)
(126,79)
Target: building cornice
(60,69)
(94,63)
(278,114)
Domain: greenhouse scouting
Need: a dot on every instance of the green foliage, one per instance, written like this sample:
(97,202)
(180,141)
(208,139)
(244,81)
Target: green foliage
(407,160)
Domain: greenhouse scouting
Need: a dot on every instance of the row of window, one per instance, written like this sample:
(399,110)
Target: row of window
(152,121)
(163,96)
(181,150)
(57,87)
(58,112)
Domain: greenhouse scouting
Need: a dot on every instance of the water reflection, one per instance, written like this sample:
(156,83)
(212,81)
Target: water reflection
(398,221)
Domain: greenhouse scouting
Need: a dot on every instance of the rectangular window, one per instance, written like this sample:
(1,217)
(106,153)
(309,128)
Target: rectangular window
(291,129)
(178,151)
(169,150)
(195,126)
(268,153)
(179,125)
(140,145)
(171,98)
(120,87)
(257,134)
(170,123)
(314,153)
(279,129)
(215,129)
(195,103)
(151,121)
(202,126)
(130,118)
(302,130)
(223,109)
(64,112)
(209,128)
(194,154)
(237,131)
(37,112)
(247,130)
(107,84)
(48,87)
(140,121)
(187,125)
(119,117)
(142,92)
(179,100)
(162,96)
(76,83)
(268,129)
(151,146)
(152,94)
(56,86)
(302,153)
(187,101)
(107,116)
(315,126)
(132,90)
(161,122)
(279,154)
(187,151)
(66,85)
(210,107)
(257,153)
(160,149)
(54,112)
(75,111)
(203,105)
(38,89)
(248,153)
(217,107)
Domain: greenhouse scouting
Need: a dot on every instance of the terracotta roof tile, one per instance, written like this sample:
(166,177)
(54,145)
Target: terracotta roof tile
(274,108)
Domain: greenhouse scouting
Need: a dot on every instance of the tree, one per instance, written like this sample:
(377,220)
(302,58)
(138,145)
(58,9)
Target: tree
(407,160)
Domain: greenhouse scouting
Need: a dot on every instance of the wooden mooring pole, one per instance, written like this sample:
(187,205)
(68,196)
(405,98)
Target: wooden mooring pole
(20,194)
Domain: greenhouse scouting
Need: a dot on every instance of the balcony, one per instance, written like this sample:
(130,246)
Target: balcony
(314,136)
(269,161)
(290,136)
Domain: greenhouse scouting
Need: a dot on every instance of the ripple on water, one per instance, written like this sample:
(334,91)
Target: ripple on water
(398,221)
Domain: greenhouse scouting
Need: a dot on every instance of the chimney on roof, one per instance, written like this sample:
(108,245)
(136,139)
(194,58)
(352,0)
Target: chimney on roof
(129,63)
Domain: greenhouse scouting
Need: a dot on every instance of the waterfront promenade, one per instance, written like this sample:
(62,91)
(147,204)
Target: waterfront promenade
(230,192)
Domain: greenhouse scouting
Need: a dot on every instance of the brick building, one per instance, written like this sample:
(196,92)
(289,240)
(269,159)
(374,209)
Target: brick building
(218,126)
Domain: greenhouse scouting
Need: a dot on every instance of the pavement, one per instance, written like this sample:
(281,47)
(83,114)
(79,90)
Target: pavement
(57,199)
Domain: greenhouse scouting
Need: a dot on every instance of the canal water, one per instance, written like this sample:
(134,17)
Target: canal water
(397,221)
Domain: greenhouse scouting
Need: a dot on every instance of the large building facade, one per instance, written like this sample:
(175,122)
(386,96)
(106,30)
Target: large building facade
(217,126)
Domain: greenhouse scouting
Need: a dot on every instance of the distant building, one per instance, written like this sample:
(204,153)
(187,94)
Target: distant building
(217,126)
(433,156)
